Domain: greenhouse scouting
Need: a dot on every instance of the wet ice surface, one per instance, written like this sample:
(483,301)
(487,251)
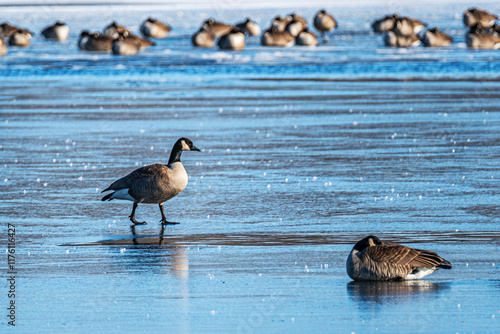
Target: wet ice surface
(305,151)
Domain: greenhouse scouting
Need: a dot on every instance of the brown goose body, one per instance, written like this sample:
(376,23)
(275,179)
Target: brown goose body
(97,43)
(476,16)
(217,29)
(114,29)
(481,39)
(20,38)
(385,23)
(405,26)
(436,38)
(141,41)
(203,38)
(373,260)
(324,22)
(274,37)
(125,47)
(234,40)
(154,183)
(306,38)
(155,29)
(280,23)
(249,27)
(58,31)
(394,40)
(7,30)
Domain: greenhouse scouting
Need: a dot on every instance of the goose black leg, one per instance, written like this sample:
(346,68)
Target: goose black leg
(164,220)
(132,216)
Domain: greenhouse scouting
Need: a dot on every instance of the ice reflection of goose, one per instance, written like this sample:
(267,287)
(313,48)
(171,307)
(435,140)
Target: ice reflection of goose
(394,291)
(373,260)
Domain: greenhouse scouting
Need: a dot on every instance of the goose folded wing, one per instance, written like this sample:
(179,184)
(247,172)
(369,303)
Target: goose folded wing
(402,256)
(391,254)
(136,176)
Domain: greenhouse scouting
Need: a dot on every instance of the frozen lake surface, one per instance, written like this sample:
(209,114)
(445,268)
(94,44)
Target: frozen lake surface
(304,152)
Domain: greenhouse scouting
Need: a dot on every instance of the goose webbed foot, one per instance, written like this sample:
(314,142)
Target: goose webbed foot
(166,222)
(132,219)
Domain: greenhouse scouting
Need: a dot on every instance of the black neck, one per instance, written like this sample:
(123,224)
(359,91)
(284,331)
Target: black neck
(175,156)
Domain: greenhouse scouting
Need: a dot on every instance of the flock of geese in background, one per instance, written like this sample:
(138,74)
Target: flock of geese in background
(369,260)
(399,31)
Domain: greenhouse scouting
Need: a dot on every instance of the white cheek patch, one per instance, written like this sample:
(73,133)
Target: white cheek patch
(185,146)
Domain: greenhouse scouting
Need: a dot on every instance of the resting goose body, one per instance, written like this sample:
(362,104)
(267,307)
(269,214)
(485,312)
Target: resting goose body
(142,42)
(217,29)
(373,260)
(20,38)
(249,27)
(234,40)
(114,29)
(385,23)
(7,30)
(203,38)
(481,39)
(436,38)
(125,47)
(274,37)
(280,23)
(476,16)
(324,22)
(155,29)
(58,31)
(306,38)
(395,40)
(154,183)
(95,42)
(405,26)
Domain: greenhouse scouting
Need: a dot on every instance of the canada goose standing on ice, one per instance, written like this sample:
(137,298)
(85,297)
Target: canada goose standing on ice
(372,260)
(324,22)
(113,29)
(58,31)
(217,29)
(274,37)
(125,47)
(395,40)
(306,38)
(203,38)
(479,38)
(405,26)
(385,23)
(95,42)
(233,40)
(474,16)
(249,27)
(436,38)
(3,47)
(154,183)
(155,29)
(20,38)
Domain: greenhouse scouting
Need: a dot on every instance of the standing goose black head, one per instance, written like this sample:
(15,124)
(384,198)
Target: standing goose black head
(154,183)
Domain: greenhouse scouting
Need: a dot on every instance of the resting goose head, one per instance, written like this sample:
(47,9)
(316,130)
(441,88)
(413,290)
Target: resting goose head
(366,242)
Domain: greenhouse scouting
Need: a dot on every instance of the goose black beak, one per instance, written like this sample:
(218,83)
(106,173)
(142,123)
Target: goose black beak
(194,148)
